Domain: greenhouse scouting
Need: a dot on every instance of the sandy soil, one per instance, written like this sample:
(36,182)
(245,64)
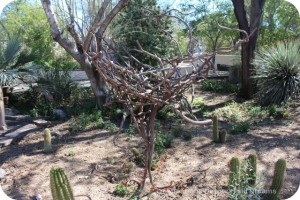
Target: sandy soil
(84,158)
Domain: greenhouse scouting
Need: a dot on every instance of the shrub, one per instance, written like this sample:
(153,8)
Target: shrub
(278,72)
(93,120)
(240,127)
(121,190)
(162,142)
(219,86)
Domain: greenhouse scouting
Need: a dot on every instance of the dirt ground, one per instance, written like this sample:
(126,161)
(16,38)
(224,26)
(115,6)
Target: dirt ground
(84,157)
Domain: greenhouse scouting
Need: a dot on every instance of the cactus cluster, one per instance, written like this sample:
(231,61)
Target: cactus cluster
(47,140)
(60,186)
(235,178)
(218,135)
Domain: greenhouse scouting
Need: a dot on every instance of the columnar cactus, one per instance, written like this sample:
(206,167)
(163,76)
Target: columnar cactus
(215,129)
(60,186)
(234,174)
(47,140)
(252,167)
(222,136)
(278,179)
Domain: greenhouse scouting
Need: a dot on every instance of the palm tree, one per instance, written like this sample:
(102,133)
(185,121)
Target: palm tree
(12,56)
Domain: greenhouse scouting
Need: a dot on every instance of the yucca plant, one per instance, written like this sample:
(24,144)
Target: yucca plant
(278,72)
(58,83)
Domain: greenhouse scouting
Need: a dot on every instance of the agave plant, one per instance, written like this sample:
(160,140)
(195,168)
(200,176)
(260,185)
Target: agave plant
(12,56)
(278,72)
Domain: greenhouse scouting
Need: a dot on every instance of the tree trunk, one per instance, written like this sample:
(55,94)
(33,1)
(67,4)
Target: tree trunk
(2,112)
(247,54)
(98,85)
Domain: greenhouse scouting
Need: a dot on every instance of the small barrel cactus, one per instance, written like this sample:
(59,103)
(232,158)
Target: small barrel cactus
(215,129)
(222,136)
(47,140)
(278,179)
(234,175)
(60,186)
(252,167)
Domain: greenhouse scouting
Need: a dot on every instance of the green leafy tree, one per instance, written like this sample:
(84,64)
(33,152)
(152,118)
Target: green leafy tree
(137,23)
(19,20)
(281,22)
(208,29)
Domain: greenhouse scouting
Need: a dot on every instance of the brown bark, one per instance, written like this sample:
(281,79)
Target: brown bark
(2,112)
(248,49)
(80,50)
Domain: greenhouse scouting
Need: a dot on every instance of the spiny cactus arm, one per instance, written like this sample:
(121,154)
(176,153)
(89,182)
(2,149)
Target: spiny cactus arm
(215,129)
(234,175)
(252,168)
(278,177)
(60,186)
(222,136)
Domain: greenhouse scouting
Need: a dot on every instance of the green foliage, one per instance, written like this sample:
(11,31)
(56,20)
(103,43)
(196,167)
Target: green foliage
(111,160)
(278,72)
(110,126)
(231,112)
(187,136)
(131,130)
(215,128)
(136,24)
(164,113)
(278,180)
(12,56)
(162,141)
(207,28)
(252,168)
(218,86)
(113,111)
(276,26)
(178,129)
(278,112)
(128,167)
(154,164)
(239,181)
(47,141)
(91,120)
(240,127)
(60,186)
(70,153)
(56,82)
(121,190)
(234,174)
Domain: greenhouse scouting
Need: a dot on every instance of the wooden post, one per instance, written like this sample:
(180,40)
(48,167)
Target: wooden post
(2,112)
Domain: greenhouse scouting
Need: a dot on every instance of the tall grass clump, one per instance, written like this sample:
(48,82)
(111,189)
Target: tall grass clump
(278,72)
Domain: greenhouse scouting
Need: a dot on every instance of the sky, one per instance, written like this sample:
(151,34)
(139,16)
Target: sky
(171,3)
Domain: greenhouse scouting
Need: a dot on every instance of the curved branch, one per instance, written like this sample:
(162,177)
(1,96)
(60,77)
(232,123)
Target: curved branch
(185,118)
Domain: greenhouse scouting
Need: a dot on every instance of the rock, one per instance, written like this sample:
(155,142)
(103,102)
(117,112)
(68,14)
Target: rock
(11,112)
(59,113)
(41,122)
(37,197)
(2,173)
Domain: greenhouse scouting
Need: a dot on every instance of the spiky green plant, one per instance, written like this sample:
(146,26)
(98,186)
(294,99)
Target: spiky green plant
(215,129)
(277,71)
(12,56)
(60,186)
(47,140)
(222,136)
(278,180)
(252,168)
(234,174)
